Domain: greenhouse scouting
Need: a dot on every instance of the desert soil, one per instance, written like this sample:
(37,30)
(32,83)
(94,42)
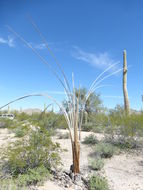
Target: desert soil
(123,172)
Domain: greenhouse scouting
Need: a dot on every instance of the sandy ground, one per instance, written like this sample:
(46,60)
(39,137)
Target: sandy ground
(49,185)
(123,172)
(5,137)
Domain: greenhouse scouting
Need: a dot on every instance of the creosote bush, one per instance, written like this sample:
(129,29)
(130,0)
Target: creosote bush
(32,158)
(21,130)
(123,142)
(49,121)
(96,164)
(7,123)
(98,183)
(33,176)
(105,150)
(91,139)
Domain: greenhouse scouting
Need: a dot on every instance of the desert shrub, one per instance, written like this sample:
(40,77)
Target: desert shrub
(90,126)
(36,151)
(10,184)
(49,120)
(61,122)
(98,129)
(7,123)
(132,125)
(33,176)
(46,121)
(21,130)
(96,123)
(105,150)
(91,139)
(22,116)
(87,126)
(99,119)
(64,136)
(98,183)
(127,126)
(123,142)
(96,164)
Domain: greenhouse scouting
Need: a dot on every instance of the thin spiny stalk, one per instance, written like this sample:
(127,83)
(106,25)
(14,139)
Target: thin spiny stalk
(49,50)
(41,58)
(101,74)
(107,76)
(89,94)
(20,98)
(46,108)
(49,97)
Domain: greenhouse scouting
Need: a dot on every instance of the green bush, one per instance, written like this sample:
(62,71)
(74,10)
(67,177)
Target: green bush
(21,131)
(97,164)
(98,129)
(123,142)
(35,151)
(10,184)
(7,123)
(105,150)
(91,126)
(46,121)
(126,126)
(98,183)
(100,120)
(22,116)
(61,122)
(87,126)
(91,139)
(33,176)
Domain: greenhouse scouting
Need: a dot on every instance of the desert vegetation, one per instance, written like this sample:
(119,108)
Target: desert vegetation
(34,155)
(76,146)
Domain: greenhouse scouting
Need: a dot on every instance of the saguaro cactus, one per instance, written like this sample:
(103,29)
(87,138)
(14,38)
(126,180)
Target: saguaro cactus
(125,91)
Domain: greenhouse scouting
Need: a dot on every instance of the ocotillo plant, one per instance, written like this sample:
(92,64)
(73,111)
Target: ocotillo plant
(74,115)
(125,91)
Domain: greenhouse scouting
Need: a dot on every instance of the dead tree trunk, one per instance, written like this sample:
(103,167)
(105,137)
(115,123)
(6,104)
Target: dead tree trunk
(76,157)
(76,150)
(125,91)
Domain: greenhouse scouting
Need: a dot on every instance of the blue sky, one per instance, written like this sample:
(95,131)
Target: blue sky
(86,36)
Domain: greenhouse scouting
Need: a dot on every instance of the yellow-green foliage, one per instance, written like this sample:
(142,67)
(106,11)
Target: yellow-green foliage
(96,164)
(98,183)
(91,139)
(126,125)
(26,156)
(22,116)
(21,130)
(105,150)
(7,123)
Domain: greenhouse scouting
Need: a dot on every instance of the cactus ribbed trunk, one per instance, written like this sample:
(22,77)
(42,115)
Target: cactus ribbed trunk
(125,91)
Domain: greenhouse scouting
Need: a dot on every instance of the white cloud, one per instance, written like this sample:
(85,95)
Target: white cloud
(99,60)
(9,41)
(40,46)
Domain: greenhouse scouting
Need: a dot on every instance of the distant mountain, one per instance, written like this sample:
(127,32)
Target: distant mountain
(30,111)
